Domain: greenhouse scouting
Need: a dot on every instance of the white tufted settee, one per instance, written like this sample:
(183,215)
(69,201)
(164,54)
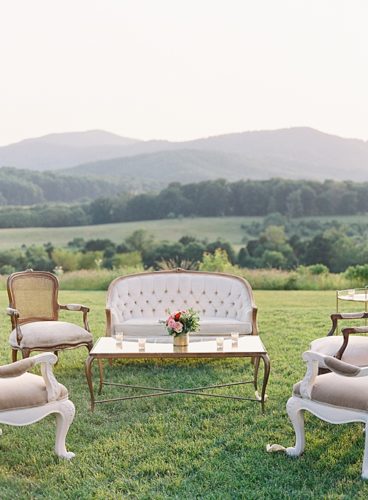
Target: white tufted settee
(137,302)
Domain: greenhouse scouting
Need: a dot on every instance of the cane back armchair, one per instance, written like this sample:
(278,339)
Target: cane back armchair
(34,312)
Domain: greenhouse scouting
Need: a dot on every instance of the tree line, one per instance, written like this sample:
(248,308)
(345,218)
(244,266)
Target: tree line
(290,198)
(329,246)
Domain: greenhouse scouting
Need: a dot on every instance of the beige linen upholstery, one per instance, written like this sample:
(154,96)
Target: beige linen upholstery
(138,302)
(48,334)
(26,398)
(356,352)
(338,397)
(332,389)
(25,391)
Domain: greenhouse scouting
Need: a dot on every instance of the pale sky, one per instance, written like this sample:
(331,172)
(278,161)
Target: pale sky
(182,69)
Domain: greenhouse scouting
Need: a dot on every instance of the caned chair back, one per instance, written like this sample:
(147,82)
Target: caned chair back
(34,294)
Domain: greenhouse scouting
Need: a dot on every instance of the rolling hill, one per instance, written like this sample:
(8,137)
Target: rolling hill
(295,153)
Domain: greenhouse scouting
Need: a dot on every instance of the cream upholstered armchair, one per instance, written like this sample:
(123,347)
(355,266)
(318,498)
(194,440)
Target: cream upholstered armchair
(26,398)
(338,397)
(34,309)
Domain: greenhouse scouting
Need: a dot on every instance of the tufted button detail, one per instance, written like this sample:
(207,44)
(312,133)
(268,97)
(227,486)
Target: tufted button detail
(185,301)
(160,301)
(203,310)
(165,291)
(216,293)
(210,301)
(147,301)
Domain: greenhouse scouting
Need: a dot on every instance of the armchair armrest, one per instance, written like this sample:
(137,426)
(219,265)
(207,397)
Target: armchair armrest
(46,359)
(14,314)
(346,332)
(79,308)
(315,359)
(335,317)
(10,311)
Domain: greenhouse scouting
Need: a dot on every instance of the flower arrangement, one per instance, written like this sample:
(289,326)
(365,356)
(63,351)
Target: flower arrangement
(182,322)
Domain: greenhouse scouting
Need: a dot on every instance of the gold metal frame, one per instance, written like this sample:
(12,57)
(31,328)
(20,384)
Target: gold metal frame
(179,353)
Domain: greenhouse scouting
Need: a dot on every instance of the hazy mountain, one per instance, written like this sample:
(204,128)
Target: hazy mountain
(185,165)
(55,151)
(297,152)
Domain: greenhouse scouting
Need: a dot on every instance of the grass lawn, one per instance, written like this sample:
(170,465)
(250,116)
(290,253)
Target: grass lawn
(185,447)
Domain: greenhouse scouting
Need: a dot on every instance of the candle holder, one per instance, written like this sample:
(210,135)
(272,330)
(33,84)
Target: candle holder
(220,343)
(234,338)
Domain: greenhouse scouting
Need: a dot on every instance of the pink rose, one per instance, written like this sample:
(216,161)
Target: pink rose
(178,328)
(171,323)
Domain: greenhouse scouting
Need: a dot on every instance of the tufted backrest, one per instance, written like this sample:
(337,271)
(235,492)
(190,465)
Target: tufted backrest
(150,295)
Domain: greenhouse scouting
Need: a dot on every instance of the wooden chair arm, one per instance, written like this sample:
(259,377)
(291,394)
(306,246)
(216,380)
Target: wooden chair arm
(335,317)
(79,308)
(14,315)
(10,311)
(346,332)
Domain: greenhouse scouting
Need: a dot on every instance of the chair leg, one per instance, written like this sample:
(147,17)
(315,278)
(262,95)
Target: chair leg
(26,353)
(89,345)
(296,415)
(64,418)
(365,457)
(14,355)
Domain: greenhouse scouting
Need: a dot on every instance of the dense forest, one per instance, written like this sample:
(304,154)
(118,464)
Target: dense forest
(28,187)
(208,198)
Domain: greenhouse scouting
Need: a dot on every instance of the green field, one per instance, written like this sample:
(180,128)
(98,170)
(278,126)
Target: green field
(184,447)
(228,228)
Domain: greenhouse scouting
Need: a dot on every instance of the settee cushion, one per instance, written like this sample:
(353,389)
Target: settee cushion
(26,391)
(149,327)
(333,389)
(49,333)
(356,352)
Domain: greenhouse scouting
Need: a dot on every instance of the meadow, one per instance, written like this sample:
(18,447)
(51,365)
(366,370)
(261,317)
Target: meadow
(185,447)
(227,228)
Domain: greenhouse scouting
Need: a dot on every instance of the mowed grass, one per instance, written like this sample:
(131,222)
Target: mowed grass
(182,446)
(228,228)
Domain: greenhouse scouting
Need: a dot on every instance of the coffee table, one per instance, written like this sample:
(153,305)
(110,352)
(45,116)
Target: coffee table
(106,348)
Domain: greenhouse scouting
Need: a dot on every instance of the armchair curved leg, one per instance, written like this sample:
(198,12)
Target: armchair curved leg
(14,355)
(64,418)
(89,345)
(296,415)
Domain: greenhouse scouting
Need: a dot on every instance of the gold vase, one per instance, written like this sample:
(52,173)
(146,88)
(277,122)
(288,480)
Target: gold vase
(181,340)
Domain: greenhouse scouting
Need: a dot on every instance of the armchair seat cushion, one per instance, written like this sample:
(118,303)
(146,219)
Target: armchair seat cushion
(150,327)
(48,334)
(332,389)
(356,352)
(25,391)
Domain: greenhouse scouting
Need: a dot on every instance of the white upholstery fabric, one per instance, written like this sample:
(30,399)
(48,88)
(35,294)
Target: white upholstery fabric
(356,352)
(49,334)
(152,328)
(138,302)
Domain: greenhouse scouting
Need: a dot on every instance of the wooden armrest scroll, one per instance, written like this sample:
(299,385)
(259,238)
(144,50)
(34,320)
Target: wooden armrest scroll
(78,308)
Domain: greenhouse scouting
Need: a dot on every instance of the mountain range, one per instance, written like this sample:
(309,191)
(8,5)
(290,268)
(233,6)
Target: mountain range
(294,153)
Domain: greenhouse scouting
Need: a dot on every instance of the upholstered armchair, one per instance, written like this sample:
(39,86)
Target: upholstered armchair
(338,397)
(26,398)
(349,348)
(34,310)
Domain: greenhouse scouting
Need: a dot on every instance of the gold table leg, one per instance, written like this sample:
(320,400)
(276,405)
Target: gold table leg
(88,369)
